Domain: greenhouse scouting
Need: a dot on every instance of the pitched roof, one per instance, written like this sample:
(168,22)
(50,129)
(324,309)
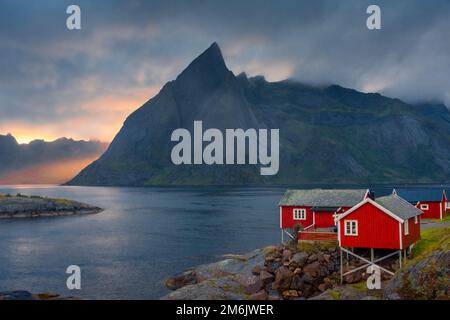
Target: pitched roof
(398,206)
(415,195)
(323,198)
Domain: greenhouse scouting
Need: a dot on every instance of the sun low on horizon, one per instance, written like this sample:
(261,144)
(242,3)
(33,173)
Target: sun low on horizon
(102,120)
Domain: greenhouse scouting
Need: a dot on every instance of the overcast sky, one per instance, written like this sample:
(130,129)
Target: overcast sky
(83,84)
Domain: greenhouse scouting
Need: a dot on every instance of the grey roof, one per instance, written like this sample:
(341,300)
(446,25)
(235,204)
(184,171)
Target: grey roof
(415,195)
(323,198)
(398,206)
(323,209)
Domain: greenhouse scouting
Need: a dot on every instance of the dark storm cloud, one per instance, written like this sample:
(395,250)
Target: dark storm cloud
(48,73)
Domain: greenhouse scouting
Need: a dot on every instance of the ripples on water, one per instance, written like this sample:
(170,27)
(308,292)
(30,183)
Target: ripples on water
(144,236)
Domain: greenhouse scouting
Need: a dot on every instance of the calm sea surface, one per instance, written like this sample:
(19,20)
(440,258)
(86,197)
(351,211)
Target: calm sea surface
(144,236)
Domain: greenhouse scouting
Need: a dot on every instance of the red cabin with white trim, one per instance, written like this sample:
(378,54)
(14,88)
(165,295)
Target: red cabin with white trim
(316,209)
(433,202)
(388,222)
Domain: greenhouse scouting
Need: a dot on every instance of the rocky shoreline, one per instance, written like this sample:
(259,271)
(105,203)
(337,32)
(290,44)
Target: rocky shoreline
(272,273)
(26,295)
(307,271)
(20,206)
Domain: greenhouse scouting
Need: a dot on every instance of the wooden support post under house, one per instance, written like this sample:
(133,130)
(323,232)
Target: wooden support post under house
(347,262)
(342,277)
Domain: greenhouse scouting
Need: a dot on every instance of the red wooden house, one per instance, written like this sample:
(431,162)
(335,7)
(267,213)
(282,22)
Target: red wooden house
(388,222)
(433,202)
(315,210)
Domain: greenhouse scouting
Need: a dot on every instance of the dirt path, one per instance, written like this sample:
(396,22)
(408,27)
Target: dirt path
(434,224)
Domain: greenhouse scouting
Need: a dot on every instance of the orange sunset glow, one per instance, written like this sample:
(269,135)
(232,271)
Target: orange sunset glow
(99,119)
(50,173)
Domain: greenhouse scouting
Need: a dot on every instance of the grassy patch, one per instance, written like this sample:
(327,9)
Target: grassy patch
(270,250)
(19,195)
(360,286)
(432,239)
(311,247)
(335,295)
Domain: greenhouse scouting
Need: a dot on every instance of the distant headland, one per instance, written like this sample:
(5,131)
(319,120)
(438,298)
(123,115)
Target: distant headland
(21,206)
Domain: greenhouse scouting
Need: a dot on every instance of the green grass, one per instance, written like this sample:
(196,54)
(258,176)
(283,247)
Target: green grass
(360,286)
(432,239)
(311,247)
(61,201)
(335,295)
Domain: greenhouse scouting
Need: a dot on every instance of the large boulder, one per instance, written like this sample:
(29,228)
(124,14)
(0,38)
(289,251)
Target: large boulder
(181,280)
(266,277)
(312,269)
(260,295)
(252,284)
(283,278)
(299,259)
(297,283)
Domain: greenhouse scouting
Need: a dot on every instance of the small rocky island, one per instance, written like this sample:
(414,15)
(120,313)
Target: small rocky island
(21,206)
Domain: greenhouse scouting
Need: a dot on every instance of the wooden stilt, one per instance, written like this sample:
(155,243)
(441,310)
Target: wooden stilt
(347,263)
(372,256)
(400,258)
(342,277)
(282,236)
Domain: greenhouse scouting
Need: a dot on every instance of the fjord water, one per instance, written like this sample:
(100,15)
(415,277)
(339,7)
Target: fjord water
(144,236)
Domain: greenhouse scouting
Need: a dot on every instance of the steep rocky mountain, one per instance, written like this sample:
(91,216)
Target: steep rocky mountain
(327,134)
(20,163)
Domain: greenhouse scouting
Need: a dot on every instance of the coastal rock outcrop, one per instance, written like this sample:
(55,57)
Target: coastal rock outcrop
(272,273)
(20,206)
(26,295)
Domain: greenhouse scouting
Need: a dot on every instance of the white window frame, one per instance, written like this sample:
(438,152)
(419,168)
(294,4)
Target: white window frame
(299,214)
(406,227)
(424,206)
(351,222)
(416,220)
(447,205)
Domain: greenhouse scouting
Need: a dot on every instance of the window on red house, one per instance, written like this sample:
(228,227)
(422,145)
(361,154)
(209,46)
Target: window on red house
(406,227)
(299,214)
(351,228)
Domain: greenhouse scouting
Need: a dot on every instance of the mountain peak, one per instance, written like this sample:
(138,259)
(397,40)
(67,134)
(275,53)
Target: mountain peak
(208,65)
(212,55)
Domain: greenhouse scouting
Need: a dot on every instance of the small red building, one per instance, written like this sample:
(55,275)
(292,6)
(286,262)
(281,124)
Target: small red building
(388,222)
(315,209)
(433,202)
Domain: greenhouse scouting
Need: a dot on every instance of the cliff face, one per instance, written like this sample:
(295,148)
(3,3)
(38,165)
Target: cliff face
(327,135)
